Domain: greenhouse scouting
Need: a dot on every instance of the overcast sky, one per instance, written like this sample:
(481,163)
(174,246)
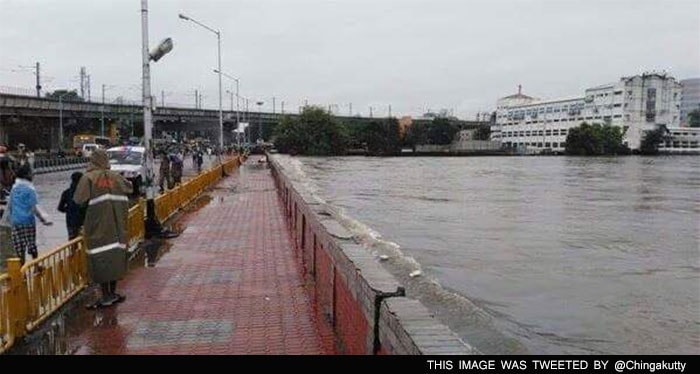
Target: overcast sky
(412,54)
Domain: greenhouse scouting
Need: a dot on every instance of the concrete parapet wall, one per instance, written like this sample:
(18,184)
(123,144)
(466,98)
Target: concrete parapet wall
(365,305)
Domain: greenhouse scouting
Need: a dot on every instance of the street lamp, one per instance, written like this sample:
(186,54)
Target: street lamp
(259,104)
(238,117)
(152,224)
(221,113)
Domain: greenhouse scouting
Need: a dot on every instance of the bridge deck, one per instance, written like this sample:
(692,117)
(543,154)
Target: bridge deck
(230,284)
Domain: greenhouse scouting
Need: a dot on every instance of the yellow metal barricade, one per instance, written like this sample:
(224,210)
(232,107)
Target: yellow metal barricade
(135,223)
(31,293)
(53,279)
(7,336)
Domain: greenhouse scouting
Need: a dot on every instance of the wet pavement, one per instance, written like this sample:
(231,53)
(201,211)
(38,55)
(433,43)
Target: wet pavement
(230,284)
(49,188)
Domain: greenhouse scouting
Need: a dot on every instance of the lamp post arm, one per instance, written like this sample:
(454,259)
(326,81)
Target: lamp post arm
(200,24)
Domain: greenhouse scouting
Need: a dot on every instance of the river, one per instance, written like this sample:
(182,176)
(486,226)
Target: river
(564,255)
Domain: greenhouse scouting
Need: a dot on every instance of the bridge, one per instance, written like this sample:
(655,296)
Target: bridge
(22,118)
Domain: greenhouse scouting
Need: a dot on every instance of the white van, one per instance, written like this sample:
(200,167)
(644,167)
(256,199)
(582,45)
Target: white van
(130,162)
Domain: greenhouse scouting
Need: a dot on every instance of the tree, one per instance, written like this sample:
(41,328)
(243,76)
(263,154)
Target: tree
(68,95)
(314,132)
(441,131)
(694,118)
(651,141)
(381,137)
(416,134)
(594,140)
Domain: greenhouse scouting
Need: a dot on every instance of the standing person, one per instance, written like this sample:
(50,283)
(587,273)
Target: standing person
(7,173)
(176,163)
(105,193)
(22,156)
(24,206)
(75,214)
(200,160)
(164,171)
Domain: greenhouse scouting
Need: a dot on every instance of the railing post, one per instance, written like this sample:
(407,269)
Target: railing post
(18,299)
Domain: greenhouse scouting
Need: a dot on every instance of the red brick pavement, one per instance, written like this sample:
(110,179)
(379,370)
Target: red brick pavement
(230,284)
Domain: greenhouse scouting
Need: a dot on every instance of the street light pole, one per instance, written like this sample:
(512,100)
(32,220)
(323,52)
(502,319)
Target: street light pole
(102,122)
(60,120)
(221,111)
(153,227)
(238,118)
(260,137)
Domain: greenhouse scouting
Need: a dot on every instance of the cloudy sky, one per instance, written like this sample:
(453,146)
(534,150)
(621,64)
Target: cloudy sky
(411,54)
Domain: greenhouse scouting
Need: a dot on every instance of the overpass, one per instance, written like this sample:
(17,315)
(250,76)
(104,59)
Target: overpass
(27,119)
(35,121)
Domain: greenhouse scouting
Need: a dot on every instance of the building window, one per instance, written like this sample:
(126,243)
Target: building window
(564,131)
(555,145)
(539,145)
(617,105)
(556,132)
(548,132)
(540,133)
(547,145)
(527,133)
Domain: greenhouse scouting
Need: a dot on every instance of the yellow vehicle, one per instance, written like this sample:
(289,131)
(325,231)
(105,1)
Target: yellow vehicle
(79,141)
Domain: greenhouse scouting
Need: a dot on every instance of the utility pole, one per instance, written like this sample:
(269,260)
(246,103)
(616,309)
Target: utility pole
(350,110)
(282,106)
(82,82)
(370,112)
(273,105)
(196,99)
(162,98)
(102,121)
(38,81)
(89,97)
(389,110)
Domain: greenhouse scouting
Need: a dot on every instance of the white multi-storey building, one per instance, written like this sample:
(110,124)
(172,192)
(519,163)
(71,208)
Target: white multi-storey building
(690,99)
(636,104)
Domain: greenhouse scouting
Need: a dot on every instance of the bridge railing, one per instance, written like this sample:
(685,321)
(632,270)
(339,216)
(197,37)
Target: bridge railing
(31,293)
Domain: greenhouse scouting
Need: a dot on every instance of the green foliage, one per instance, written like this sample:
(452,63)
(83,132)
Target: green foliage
(68,95)
(594,140)
(651,141)
(416,134)
(441,131)
(438,131)
(381,137)
(314,132)
(694,118)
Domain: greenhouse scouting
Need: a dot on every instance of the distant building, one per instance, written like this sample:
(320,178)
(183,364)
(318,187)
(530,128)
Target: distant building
(636,104)
(690,98)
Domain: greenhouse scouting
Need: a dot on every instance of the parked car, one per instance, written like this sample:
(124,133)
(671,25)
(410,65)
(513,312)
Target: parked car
(130,162)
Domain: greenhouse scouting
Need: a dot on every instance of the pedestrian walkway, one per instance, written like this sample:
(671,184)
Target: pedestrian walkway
(230,284)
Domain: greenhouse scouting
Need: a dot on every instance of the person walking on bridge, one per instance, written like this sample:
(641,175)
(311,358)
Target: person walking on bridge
(106,195)
(24,205)
(75,214)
